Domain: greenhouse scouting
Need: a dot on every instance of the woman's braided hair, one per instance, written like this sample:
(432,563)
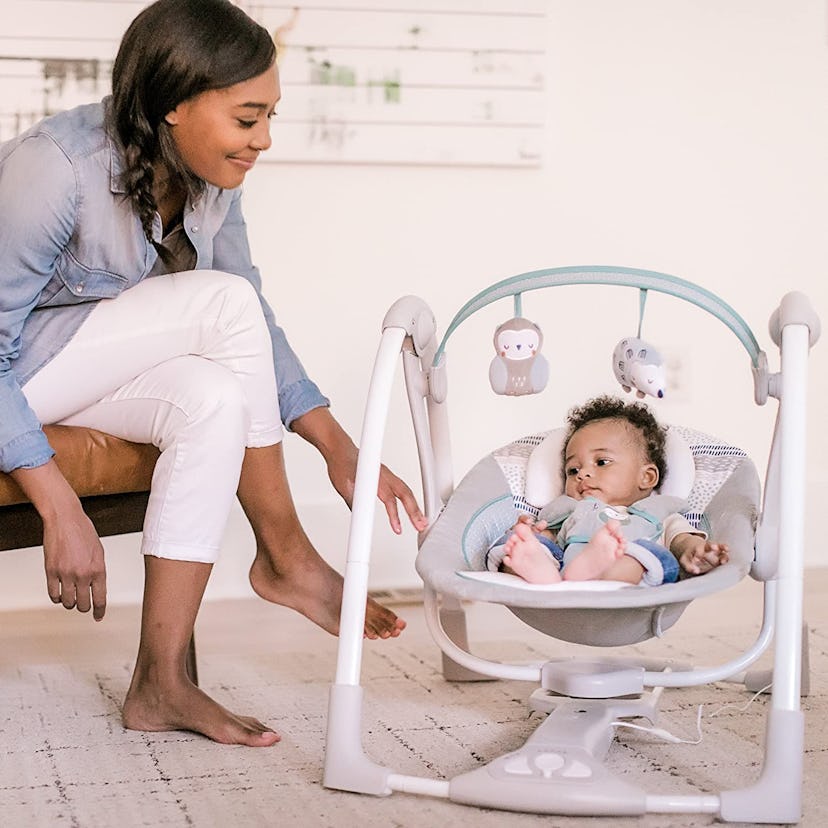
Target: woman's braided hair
(173,51)
(636,414)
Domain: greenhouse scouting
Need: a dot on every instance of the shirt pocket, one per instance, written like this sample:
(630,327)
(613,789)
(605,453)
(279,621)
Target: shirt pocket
(79,283)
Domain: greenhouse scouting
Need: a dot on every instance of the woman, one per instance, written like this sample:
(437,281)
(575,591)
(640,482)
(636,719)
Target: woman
(122,244)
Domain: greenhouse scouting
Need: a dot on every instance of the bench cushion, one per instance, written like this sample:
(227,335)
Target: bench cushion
(94,463)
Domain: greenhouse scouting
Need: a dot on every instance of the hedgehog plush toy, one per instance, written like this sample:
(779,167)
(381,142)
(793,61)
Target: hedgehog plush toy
(637,365)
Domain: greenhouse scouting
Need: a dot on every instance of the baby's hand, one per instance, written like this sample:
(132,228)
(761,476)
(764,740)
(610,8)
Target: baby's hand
(699,555)
(535,525)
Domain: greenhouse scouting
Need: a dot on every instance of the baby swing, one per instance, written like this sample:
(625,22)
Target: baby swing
(559,770)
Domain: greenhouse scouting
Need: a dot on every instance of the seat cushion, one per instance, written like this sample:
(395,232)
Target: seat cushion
(94,463)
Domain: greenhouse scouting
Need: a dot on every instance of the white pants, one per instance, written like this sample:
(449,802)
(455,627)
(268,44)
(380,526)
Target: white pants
(185,362)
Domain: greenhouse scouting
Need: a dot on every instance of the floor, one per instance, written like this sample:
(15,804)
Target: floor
(66,760)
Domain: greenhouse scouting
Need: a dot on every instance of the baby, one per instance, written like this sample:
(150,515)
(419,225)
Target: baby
(609,524)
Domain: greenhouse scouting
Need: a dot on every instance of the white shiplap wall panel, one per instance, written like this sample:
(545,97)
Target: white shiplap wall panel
(443,82)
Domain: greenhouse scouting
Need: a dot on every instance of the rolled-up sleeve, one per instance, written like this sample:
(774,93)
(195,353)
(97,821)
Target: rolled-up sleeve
(677,524)
(37,208)
(298,394)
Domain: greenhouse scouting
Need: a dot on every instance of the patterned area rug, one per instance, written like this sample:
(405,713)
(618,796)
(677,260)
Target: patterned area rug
(65,759)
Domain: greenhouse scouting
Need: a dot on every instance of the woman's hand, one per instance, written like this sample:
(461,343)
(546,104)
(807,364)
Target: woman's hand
(73,554)
(74,560)
(320,429)
(391,489)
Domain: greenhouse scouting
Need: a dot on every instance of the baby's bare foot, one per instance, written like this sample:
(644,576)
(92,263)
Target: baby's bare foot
(527,557)
(313,588)
(605,547)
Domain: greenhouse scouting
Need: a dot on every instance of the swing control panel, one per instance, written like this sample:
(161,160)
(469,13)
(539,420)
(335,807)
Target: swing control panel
(542,779)
(545,764)
(560,769)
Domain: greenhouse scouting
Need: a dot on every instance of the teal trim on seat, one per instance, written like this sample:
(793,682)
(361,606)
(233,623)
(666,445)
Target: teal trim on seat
(472,520)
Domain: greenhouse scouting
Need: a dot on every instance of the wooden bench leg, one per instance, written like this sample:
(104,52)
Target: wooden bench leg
(192,665)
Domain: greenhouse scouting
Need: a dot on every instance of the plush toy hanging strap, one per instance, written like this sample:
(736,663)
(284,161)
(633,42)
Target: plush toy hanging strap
(642,301)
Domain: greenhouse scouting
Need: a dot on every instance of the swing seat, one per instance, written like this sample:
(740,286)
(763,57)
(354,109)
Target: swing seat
(723,498)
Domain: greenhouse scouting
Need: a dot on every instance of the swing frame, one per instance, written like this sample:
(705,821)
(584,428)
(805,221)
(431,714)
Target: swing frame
(409,329)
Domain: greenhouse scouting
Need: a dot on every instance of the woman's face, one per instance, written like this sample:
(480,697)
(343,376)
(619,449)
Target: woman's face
(220,133)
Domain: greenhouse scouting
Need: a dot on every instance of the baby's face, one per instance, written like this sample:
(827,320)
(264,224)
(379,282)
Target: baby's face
(606,460)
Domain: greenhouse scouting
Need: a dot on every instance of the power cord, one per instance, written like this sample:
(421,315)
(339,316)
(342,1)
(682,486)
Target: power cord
(661,733)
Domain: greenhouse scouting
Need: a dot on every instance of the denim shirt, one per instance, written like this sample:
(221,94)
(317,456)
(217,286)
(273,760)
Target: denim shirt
(70,237)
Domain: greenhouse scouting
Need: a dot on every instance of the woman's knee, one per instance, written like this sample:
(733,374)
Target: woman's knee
(236,294)
(217,390)
(210,397)
(234,313)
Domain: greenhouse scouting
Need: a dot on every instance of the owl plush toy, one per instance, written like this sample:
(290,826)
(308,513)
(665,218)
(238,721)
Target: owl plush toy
(518,367)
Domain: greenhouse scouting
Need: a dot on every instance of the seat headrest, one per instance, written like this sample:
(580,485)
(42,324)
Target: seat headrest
(544,482)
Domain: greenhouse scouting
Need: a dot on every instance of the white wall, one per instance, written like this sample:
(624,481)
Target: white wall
(687,137)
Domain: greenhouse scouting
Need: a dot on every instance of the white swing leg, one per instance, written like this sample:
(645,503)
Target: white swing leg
(756,681)
(453,621)
(346,766)
(777,794)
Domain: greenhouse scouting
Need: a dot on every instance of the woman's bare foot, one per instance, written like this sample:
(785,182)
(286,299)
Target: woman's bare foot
(156,705)
(306,583)
(603,549)
(526,556)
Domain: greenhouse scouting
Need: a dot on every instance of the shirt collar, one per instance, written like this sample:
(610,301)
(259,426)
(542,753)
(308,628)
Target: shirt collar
(116,154)
(116,167)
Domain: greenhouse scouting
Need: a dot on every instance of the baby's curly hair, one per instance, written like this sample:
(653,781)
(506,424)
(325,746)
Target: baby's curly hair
(636,414)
